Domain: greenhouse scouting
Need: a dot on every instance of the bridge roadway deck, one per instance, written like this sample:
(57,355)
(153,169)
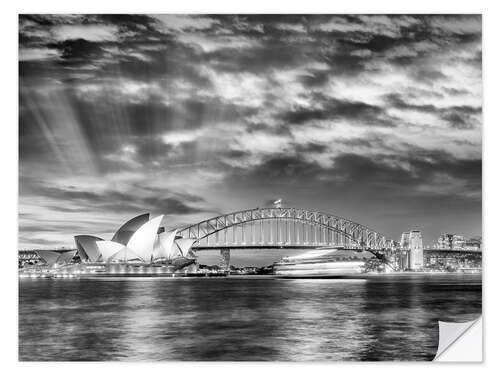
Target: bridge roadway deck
(325,247)
(277,247)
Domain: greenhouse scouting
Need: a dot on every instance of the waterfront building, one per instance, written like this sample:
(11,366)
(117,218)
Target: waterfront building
(139,247)
(473,244)
(140,240)
(412,251)
(450,241)
(445,241)
(451,261)
(416,258)
(405,240)
(403,263)
(458,242)
(225,257)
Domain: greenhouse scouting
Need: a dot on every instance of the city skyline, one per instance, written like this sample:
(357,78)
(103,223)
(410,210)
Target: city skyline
(372,118)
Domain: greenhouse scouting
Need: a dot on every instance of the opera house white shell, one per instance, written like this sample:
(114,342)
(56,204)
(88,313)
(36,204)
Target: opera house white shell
(54,258)
(164,245)
(138,240)
(87,248)
(126,231)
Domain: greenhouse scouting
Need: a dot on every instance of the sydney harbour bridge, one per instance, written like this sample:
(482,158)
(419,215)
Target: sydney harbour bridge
(284,228)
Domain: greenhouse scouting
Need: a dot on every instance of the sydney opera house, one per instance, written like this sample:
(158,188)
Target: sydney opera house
(140,246)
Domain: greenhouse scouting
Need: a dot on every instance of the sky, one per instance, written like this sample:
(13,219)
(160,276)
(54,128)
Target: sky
(374,118)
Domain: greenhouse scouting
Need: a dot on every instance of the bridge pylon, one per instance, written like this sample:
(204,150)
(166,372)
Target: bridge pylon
(225,255)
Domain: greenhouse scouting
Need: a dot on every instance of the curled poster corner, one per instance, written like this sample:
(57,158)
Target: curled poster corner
(460,342)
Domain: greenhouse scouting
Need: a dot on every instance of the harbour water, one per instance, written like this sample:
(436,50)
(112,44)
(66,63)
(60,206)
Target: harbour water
(380,318)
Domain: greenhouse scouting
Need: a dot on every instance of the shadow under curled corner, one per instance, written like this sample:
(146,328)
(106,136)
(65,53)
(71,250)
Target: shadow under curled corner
(460,342)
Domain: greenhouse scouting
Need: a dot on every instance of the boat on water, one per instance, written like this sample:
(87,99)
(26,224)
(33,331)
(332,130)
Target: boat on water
(319,264)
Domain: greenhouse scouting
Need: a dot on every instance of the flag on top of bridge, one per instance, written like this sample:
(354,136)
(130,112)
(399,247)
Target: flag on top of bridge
(277,203)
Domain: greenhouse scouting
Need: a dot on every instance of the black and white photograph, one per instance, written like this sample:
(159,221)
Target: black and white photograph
(248,187)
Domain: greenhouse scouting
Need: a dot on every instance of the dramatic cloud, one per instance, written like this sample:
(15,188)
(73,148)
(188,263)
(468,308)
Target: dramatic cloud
(376,118)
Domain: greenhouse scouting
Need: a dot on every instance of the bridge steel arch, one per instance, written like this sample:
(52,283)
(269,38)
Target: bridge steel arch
(337,231)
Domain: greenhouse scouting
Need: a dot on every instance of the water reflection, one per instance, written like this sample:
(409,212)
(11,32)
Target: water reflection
(240,319)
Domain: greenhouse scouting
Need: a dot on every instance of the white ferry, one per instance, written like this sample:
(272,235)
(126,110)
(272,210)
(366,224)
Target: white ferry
(318,264)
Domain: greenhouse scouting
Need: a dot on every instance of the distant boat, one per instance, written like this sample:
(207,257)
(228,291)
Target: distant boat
(318,264)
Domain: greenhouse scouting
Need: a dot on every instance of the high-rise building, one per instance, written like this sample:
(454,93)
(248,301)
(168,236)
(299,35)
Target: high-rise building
(473,244)
(458,242)
(412,250)
(225,256)
(445,241)
(405,240)
(404,254)
(416,258)
(449,241)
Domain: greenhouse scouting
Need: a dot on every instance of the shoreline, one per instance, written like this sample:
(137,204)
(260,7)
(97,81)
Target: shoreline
(359,276)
